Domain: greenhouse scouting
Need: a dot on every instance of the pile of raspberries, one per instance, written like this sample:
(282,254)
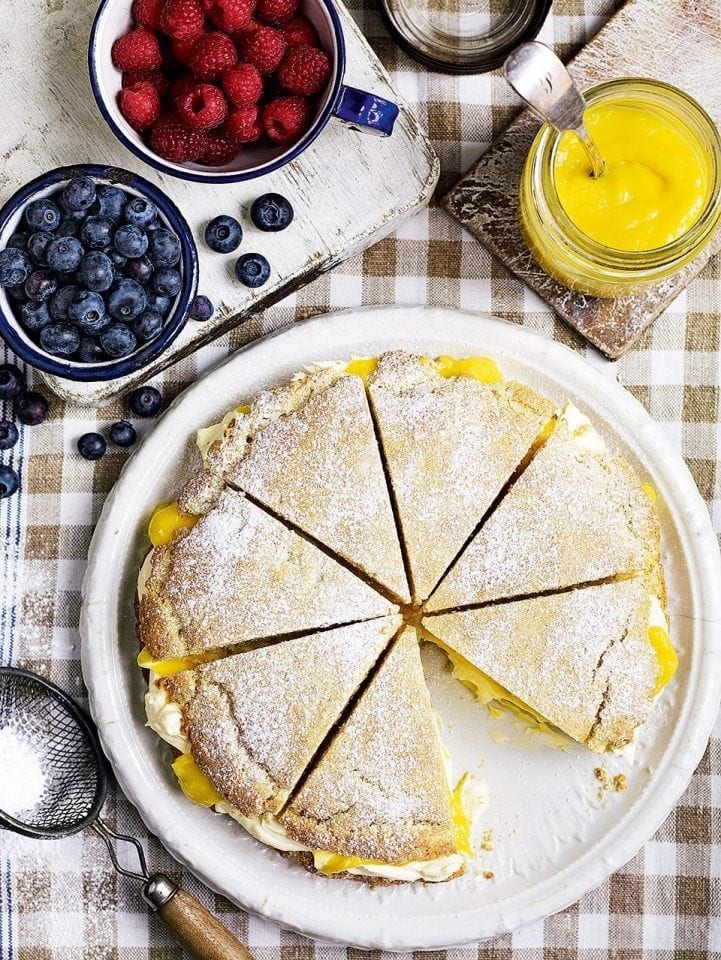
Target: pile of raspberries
(203,78)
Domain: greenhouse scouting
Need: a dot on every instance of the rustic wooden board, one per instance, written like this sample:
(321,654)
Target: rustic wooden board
(348,189)
(677,41)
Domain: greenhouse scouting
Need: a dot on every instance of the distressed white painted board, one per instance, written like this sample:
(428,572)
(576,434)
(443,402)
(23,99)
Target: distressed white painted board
(348,189)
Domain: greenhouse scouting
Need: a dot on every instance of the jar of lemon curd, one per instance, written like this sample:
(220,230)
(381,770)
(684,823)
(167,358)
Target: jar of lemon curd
(654,208)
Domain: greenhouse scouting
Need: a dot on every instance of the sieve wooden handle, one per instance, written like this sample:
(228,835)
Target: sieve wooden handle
(199,931)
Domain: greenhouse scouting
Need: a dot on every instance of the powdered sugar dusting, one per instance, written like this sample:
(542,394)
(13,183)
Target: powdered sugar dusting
(450,444)
(255,720)
(240,574)
(581,659)
(573,516)
(380,790)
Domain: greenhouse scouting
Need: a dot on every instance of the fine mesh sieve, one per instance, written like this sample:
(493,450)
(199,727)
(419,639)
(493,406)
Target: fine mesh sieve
(59,748)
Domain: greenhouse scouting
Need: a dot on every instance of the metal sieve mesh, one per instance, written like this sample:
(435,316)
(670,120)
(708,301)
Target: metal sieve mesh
(61,739)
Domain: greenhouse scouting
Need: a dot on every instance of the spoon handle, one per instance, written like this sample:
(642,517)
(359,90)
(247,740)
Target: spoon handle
(598,165)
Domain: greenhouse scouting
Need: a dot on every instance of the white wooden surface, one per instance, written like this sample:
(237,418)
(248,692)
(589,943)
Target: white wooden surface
(348,189)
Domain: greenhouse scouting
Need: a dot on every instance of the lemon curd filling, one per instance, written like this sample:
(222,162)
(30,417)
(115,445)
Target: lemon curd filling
(166,668)
(362,367)
(166,521)
(655,184)
(194,783)
(482,369)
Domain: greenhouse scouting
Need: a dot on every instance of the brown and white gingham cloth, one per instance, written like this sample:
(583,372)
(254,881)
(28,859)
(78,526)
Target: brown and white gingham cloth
(63,901)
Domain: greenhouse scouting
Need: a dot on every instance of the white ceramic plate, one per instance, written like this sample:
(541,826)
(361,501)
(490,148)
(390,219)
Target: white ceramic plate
(554,831)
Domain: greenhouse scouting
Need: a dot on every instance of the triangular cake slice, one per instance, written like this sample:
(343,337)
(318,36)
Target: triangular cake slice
(450,444)
(239,574)
(307,451)
(253,721)
(377,804)
(576,514)
(589,661)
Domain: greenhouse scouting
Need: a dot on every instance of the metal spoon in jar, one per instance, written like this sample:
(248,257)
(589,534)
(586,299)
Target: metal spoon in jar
(538,77)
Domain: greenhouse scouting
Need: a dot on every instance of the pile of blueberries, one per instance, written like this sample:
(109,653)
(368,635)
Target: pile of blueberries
(93,270)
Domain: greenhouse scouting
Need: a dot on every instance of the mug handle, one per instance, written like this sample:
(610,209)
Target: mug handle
(365,111)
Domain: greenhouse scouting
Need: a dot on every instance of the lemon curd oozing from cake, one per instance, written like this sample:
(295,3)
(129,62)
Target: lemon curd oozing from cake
(482,369)
(165,668)
(165,523)
(194,783)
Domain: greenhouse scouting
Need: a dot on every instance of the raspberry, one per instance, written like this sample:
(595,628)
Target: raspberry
(203,107)
(276,12)
(151,76)
(137,50)
(243,84)
(182,19)
(300,30)
(220,151)
(243,124)
(212,55)
(264,48)
(183,49)
(250,26)
(231,15)
(140,104)
(285,119)
(146,13)
(304,70)
(178,89)
(171,139)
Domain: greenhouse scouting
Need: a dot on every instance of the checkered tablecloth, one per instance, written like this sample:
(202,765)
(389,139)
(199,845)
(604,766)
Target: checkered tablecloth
(62,901)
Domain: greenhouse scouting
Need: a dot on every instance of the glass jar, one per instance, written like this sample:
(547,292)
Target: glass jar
(575,259)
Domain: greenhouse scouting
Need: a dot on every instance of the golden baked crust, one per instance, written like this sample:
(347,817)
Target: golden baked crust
(450,445)
(575,515)
(239,574)
(581,659)
(379,791)
(255,719)
(307,451)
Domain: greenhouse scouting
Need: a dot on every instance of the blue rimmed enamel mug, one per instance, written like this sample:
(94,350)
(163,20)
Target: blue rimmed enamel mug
(357,108)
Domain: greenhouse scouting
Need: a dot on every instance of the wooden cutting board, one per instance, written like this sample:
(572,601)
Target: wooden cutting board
(348,189)
(677,41)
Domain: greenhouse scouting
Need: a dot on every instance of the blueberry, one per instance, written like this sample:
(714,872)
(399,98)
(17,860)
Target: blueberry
(127,300)
(96,271)
(17,293)
(223,234)
(145,401)
(8,481)
(201,308)
(8,434)
(11,381)
(110,202)
(164,248)
(252,269)
(38,244)
(148,325)
(271,212)
(167,282)
(97,233)
(130,241)
(159,304)
(90,350)
(117,259)
(140,270)
(35,315)
(64,254)
(140,212)
(122,433)
(31,408)
(118,340)
(87,310)
(40,285)
(91,446)
(60,339)
(19,241)
(79,194)
(42,215)
(15,267)
(59,303)
(69,227)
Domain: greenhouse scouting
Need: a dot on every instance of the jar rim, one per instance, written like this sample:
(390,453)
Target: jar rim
(692,114)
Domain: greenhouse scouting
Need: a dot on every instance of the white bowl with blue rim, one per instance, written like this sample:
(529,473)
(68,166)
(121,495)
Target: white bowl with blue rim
(11,329)
(357,108)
